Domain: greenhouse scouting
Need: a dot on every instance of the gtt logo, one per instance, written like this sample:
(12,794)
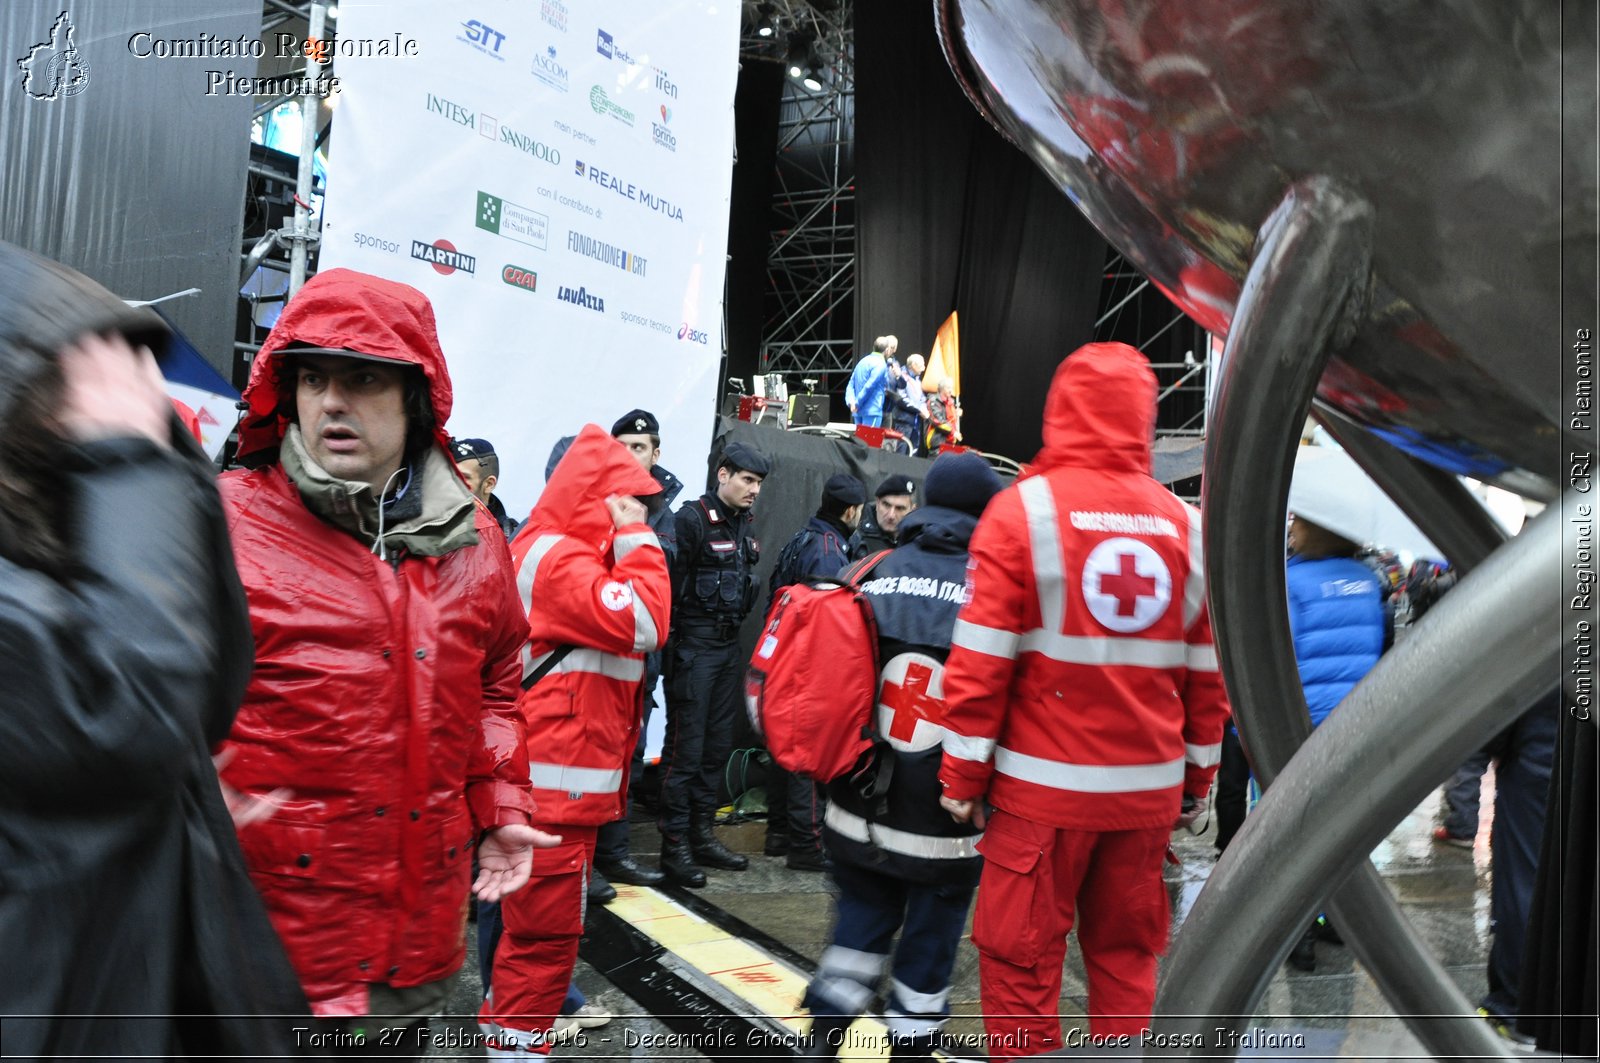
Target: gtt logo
(488,36)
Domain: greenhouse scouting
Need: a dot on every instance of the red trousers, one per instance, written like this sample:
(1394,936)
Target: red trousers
(1040,881)
(539,946)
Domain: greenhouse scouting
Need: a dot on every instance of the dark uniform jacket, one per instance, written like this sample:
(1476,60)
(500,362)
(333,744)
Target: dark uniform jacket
(869,538)
(713,570)
(916,592)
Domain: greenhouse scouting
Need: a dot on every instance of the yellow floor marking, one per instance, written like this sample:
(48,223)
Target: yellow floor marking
(768,985)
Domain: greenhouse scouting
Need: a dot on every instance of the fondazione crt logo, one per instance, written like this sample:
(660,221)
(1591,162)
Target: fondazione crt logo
(54,69)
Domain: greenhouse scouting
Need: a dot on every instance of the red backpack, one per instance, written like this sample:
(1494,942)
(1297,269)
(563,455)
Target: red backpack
(813,678)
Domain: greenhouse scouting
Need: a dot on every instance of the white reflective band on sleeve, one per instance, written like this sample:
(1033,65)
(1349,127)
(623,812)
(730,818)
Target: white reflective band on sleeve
(645,635)
(926,846)
(1044,535)
(589,662)
(567,779)
(1202,756)
(987,640)
(1194,588)
(1088,778)
(1201,658)
(1105,649)
(530,568)
(963,748)
(911,1002)
(623,545)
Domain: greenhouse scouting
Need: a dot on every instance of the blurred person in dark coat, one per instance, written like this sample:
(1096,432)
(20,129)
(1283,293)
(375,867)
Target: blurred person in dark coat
(128,926)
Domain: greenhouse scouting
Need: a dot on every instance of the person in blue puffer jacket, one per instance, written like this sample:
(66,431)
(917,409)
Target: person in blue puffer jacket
(1336,617)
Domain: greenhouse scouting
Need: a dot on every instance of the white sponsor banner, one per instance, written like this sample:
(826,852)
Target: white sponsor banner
(555,176)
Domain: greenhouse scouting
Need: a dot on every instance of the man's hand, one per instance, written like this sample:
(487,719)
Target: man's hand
(625,510)
(247,808)
(965,811)
(113,390)
(1193,809)
(505,859)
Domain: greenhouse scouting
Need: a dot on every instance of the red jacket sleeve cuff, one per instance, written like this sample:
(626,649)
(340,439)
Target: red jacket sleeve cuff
(499,804)
(964,780)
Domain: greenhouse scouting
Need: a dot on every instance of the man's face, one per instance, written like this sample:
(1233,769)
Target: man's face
(916,364)
(738,490)
(889,349)
(642,447)
(352,416)
(477,482)
(852,517)
(892,509)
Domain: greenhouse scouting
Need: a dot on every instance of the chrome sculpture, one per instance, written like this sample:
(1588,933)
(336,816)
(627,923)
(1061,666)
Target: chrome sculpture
(1372,201)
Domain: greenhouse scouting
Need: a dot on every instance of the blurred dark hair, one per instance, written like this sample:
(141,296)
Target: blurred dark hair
(33,506)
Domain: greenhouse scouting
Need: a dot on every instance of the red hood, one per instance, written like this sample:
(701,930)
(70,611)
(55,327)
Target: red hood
(594,467)
(342,308)
(1101,411)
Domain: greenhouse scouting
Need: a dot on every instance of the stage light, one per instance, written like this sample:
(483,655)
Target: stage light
(765,27)
(795,70)
(812,80)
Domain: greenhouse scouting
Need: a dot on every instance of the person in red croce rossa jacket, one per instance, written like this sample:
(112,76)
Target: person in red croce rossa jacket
(1085,702)
(594,585)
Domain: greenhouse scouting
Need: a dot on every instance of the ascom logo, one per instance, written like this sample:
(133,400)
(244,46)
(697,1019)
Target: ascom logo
(520,277)
(548,70)
(483,38)
(692,335)
(443,257)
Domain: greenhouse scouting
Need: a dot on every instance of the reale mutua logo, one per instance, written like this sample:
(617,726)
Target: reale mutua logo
(54,69)
(443,257)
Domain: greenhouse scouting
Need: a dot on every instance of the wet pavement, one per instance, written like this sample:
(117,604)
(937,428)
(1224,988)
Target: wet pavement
(1334,1011)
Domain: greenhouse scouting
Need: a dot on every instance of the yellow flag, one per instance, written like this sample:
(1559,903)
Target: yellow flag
(945,358)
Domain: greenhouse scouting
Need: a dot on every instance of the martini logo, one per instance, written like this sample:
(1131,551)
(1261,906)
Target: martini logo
(514,222)
(520,277)
(692,335)
(1126,585)
(549,70)
(581,297)
(443,257)
(603,104)
(53,69)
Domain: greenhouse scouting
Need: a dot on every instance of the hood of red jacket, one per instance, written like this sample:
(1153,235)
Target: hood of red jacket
(593,468)
(341,308)
(1101,410)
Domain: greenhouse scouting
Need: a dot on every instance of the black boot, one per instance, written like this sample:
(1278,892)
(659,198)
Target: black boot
(707,850)
(626,869)
(677,862)
(825,1037)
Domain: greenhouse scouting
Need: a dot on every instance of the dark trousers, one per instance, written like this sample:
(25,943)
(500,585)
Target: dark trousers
(1524,756)
(794,809)
(870,908)
(1463,794)
(704,693)
(1233,788)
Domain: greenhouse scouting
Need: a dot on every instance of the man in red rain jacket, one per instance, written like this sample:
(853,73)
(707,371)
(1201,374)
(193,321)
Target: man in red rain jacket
(1084,703)
(381,715)
(595,587)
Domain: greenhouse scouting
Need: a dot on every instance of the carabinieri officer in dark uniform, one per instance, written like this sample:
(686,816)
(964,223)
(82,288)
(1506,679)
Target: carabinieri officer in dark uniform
(713,588)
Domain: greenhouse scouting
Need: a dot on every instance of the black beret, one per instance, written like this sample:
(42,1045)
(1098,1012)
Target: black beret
(845,489)
(746,457)
(896,485)
(961,481)
(637,422)
(462,449)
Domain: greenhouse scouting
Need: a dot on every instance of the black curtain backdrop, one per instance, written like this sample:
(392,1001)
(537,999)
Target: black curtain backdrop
(749,227)
(950,217)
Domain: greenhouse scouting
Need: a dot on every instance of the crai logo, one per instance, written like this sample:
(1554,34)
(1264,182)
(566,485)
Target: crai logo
(514,222)
(54,69)
(520,277)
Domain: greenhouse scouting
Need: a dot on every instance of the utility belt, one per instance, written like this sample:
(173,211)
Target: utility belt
(706,628)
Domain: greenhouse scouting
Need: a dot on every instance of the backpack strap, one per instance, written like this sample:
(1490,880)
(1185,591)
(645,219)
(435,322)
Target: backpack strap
(550,662)
(855,572)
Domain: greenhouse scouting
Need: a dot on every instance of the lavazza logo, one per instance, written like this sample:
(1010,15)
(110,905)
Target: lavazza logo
(548,69)
(581,297)
(443,257)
